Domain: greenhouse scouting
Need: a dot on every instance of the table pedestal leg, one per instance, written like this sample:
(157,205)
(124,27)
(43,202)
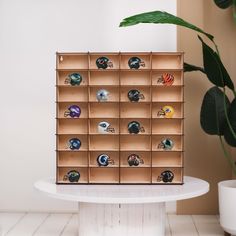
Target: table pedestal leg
(121,219)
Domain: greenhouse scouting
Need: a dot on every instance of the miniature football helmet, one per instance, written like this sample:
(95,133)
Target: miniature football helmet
(166,176)
(72,176)
(166,111)
(134,160)
(104,128)
(166,79)
(134,127)
(73,111)
(103,63)
(134,95)
(104,160)
(102,95)
(74,144)
(74,79)
(135,63)
(166,144)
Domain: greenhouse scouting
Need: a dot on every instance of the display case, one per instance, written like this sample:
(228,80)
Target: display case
(120,118)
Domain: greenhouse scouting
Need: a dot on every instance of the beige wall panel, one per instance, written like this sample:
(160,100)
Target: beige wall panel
(203,155)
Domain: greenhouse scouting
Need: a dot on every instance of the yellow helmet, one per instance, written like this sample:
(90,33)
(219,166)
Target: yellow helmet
(166,111)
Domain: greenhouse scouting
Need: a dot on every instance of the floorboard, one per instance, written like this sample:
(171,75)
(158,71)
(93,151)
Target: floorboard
(8,221)
(71,227)
(207,225)
(28,225)
(54,225)
(182,225)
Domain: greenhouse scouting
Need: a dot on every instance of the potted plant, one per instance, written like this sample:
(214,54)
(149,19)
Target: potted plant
(218,113)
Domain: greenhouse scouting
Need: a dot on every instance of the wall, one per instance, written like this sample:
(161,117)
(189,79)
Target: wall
(204,157)
(30,34)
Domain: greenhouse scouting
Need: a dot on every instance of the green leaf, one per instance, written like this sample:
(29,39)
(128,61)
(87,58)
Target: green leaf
(161,17)
(229,138)
(214,67)
(190,68)
(223,4)
(212,116)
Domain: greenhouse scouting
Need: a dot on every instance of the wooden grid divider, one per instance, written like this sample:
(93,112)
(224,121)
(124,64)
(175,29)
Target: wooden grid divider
(151,115)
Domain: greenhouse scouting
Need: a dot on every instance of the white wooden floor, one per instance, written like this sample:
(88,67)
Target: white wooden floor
(40,224)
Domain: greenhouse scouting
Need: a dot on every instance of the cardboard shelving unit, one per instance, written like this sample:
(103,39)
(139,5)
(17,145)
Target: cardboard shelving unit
(118,110)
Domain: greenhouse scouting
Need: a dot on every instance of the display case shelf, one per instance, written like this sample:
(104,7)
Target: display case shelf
(63,76)
(116,113)
(62,171)
(145,93)
(134,175)
(135,78)
(177,171)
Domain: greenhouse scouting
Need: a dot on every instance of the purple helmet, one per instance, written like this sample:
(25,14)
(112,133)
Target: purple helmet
(73,111)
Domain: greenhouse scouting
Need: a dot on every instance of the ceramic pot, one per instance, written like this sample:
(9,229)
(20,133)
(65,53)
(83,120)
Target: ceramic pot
(227,205)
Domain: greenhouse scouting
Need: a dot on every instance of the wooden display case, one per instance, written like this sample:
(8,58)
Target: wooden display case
(102,126)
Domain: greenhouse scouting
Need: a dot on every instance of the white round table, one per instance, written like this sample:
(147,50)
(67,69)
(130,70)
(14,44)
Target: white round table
(127,210)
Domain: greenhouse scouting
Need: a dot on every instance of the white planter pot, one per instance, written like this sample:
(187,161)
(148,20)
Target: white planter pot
(227,205)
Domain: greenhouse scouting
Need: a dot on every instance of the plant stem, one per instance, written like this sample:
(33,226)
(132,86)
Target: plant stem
(228,156)
(227,117)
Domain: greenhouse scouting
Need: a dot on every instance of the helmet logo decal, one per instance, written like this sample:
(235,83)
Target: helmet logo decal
(103,63)
(135,63)
(74,79)
(166,112)
(134,127)
(166,79)
(134,95)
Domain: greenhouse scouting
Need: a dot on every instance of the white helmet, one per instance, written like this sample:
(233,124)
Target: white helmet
(104,128)
(102,95)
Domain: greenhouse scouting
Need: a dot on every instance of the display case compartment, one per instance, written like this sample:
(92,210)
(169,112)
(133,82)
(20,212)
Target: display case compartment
(72,126)
(130,175)
(177,139)
(63,106)
(177,171)
(145,91)
(104,175)
(145,57)
(114,155)
(104,110)
(135,142)
(63,145)
(167,126)
(178,77)
(104,142)
(135,110)
(62,171)
(113,57)
(145,123)
(104,78)
(113,95)
(63,75)
(168,94)
(72,61)
(72,159)
(73,93)
(93,125)
(167,159)
(178,109)
(145,156)
(135,78)
(167,61)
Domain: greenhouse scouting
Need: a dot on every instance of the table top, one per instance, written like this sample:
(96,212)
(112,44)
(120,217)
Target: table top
(123,194)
